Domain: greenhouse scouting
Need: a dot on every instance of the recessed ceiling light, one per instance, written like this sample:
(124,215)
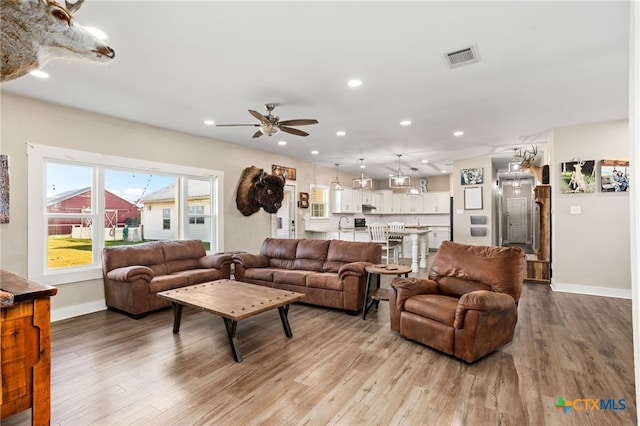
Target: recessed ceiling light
(341,133)
(458,133)
(39,74)
(425,161)
(443,171)
(315,152)
(282,143)
(354,83)
(97,32)
(209,122)
(405,123)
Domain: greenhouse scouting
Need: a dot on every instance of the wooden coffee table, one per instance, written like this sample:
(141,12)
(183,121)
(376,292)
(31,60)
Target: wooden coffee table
(233,301)
(378,270)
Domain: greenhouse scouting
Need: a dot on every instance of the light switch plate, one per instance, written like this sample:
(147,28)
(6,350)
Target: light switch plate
(576,210)
(459,211)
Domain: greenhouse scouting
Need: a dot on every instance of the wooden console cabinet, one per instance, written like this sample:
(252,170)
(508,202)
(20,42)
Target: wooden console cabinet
(25,348)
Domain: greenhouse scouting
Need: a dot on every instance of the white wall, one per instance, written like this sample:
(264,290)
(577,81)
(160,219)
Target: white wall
(462,217)
(24,119)
(599,236)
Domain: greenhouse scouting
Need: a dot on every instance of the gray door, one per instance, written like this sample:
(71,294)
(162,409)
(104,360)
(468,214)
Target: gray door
(517,220)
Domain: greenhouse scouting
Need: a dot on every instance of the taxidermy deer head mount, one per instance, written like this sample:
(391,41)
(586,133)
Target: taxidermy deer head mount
(527,162)
(34,32)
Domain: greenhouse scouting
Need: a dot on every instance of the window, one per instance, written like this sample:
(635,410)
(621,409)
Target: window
(166,218)
(81,202)
(196,214)
(319,201)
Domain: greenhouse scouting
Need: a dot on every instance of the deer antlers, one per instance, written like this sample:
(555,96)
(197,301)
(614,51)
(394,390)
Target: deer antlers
(528,156)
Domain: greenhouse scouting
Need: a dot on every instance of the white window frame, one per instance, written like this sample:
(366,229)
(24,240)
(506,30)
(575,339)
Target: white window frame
(326,193)
(37,158)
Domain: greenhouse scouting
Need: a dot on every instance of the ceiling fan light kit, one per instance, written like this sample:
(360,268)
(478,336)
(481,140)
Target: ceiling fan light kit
(271,125)
(399,180)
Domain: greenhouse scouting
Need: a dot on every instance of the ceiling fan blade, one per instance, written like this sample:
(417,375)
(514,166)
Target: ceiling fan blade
(259,116)
(299,122)
(293,131)
(257,134)
(231,125)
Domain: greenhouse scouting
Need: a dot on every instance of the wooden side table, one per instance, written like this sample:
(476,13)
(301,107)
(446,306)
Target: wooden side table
(373,298)
(25,379)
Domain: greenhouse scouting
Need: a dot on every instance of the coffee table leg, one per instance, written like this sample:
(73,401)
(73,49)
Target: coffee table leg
(177,316)
(283,311)
(231,326)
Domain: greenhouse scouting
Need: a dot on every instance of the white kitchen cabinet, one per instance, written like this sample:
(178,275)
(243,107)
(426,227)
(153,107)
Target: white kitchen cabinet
(342,201)
(367,197)
(387,201)
(436,202)
(356,201)
(377,201)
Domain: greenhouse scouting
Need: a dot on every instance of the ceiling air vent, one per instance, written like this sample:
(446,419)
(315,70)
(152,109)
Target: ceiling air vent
(462,57)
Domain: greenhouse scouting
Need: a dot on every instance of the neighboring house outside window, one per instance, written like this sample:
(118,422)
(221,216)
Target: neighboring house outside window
(81,202)
(319,201)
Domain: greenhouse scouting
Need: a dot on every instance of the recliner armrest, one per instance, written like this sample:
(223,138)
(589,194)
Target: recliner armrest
(408,287)
(215,261)
(481,300)
(131,273)
(248,260)
(353,268)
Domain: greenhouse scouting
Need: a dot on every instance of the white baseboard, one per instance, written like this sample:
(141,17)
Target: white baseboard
(592,291)
(77,310)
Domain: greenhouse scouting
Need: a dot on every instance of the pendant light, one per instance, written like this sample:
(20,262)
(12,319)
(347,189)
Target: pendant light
(362,182)
(416,189)
(336,185)
(399,180)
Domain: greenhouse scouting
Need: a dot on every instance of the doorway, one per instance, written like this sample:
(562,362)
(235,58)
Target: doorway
(516,211)
(283,223)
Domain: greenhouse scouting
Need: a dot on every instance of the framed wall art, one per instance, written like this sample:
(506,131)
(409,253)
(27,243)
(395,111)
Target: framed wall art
(471,176)
(578,176)
(473,198)
(614,176)
(289,173)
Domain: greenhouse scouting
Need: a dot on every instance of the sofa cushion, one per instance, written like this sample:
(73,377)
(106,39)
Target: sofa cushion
(298,278)
(281,252)
(453,286)
(167,282)
(262,274)
(325,280)
(433,306)
(197,276)
(146,254)
(341,252)
(311,254)
(182,254)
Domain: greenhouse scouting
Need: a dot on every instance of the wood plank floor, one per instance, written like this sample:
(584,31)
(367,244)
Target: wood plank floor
(108,369)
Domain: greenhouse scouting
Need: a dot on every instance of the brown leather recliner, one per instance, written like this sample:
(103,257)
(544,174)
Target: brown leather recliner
(468,305)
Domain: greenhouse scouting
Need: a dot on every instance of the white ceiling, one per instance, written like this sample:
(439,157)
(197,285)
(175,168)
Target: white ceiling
(542,65)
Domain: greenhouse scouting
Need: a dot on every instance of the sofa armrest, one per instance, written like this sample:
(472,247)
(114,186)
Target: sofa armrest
(215,261)
(131,273)
(481,300)
(408,287)
(353,268)
(248,260)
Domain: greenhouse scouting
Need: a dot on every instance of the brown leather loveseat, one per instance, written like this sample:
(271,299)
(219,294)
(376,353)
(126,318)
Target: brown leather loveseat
(468,306)
(134,274)
(330,273)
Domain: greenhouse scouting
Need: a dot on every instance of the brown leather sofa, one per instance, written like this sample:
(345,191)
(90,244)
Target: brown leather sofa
(330,273)
(134,274)
(468,306)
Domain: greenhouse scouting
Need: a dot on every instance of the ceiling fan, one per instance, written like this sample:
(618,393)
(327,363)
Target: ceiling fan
(270,124)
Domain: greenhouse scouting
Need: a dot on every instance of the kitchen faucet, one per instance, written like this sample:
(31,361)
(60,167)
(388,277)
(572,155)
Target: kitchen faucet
(340,222)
